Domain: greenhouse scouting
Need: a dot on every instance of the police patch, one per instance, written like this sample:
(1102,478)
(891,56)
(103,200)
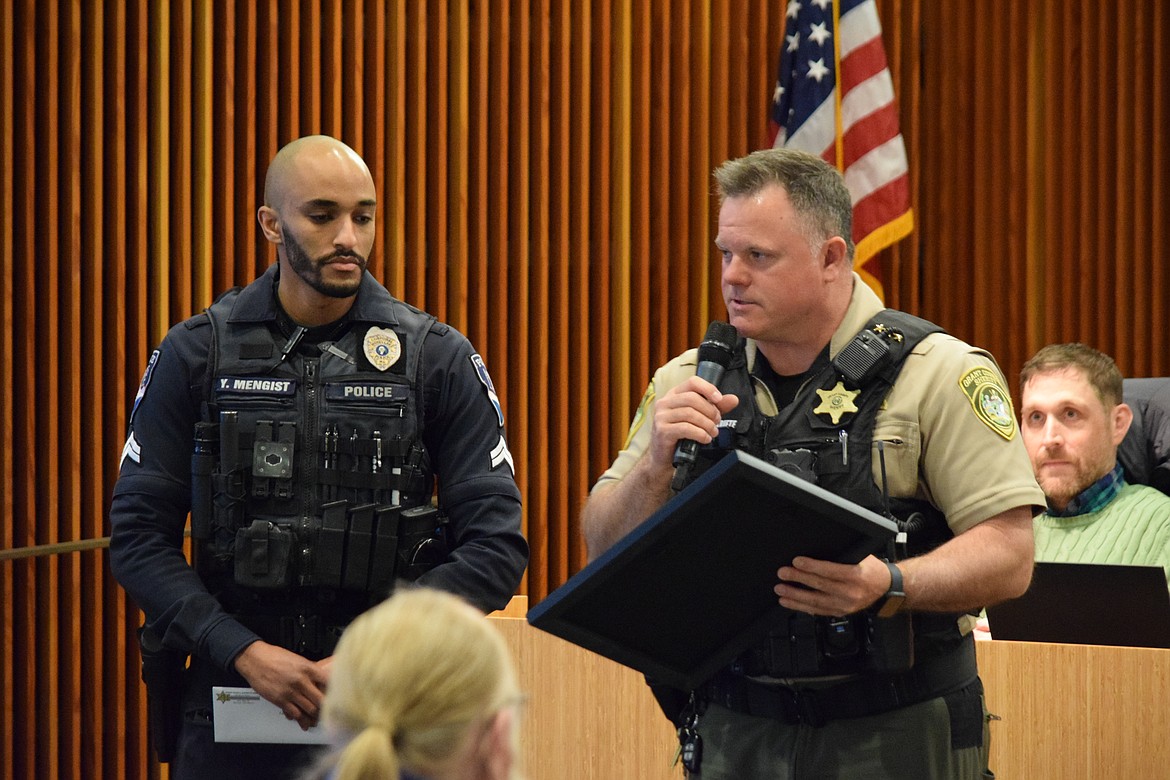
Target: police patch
(990,400)
(382,347)
(482,371)
(640,415)
(146,375)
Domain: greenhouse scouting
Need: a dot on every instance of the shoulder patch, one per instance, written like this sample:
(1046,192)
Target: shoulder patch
(482,372)
(990,400)
(146,375)
(640,415)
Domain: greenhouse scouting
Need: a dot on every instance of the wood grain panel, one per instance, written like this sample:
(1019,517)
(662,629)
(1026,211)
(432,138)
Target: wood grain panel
(601,386)
(437,148)
(585,717)
(556,252)
(44,286)
(91,400)
(580,355)
(1076,710)
(9,245)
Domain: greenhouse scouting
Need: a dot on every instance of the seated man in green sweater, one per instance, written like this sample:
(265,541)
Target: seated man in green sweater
(1072,419)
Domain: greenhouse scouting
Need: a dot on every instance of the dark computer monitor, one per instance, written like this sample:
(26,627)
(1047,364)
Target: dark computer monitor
(691,587)
(1088,604)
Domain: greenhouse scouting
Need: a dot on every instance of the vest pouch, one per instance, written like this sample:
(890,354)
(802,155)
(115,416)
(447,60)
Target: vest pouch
(330,547)
(358,543)
(264,556)
(891,642)
(227,501)
(422,541)
(229,491)
(792,649)
(864,642)
(203,462)
(385,553)
(804,645)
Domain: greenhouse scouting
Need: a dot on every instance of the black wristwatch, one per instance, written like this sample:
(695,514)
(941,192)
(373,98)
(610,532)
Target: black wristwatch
(891,603)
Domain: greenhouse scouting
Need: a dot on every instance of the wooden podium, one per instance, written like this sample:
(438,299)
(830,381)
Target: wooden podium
(1077,711)
(1065,711)
(587,717)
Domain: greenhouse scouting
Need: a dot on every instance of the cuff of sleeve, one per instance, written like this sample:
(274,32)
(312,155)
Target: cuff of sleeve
(226,640)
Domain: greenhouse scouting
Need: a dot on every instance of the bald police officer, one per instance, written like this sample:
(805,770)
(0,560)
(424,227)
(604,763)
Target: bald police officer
(302,421)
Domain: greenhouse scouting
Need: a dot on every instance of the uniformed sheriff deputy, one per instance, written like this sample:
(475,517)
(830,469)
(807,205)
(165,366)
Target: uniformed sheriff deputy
(302,421)
(870,671)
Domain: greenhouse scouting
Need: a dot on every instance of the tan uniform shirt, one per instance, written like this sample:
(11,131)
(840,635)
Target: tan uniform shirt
(949,429)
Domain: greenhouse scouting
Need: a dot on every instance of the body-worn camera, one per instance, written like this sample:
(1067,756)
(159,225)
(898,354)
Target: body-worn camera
(799,462)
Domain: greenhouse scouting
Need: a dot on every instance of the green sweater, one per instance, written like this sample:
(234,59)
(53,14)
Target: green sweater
(1133,528)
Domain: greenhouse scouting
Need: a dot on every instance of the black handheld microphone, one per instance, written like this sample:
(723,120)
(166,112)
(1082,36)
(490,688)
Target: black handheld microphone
(714,357)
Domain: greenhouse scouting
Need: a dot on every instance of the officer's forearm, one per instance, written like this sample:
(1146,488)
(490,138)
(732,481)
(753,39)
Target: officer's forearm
(614,510)
(984,565)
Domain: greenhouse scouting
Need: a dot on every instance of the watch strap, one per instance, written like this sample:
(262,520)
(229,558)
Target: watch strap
(891,603)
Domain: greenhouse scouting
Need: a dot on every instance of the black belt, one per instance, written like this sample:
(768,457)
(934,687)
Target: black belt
(869,695)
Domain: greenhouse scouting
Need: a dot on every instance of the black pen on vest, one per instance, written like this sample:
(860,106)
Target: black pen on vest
(292,342)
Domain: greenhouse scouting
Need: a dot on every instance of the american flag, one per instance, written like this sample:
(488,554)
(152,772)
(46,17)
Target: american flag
(834,97)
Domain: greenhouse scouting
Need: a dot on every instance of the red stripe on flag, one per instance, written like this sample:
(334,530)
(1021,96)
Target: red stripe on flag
(881,206)
(862,63)
(873,130)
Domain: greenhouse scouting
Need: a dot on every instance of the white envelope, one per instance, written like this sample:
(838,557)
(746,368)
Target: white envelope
(242,715)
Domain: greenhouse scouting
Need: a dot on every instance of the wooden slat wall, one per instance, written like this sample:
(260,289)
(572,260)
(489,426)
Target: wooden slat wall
(544,175)
(1039,154)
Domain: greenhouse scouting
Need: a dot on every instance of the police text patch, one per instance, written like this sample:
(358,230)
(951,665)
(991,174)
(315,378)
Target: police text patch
(364,391)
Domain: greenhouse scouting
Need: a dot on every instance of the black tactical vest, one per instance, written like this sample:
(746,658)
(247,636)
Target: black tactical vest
(311,486)
(826,435)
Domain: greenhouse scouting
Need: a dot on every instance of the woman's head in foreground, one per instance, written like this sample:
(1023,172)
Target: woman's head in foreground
(423,684)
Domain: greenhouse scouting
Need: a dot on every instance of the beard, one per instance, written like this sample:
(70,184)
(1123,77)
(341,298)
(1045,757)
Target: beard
(310,270)
(1061,488)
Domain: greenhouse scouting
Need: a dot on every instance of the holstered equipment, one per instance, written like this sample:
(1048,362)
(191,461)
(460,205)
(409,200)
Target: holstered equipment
(162,672)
